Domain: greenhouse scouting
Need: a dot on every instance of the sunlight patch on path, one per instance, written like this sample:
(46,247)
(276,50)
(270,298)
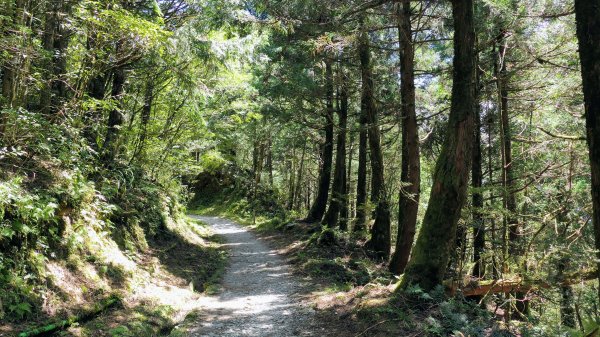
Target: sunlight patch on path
(259,296)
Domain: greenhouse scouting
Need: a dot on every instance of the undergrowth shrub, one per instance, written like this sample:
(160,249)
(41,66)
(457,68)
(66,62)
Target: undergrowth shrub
(236,186)
(56,197)
(446,316)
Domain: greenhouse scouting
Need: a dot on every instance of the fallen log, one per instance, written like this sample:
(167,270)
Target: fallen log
(475,287)
(65,323)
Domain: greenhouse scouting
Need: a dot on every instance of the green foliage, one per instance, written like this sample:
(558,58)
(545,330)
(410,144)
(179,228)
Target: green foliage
(232,189)
(337,272)
(120,331)
(16,295)
(50,214)
(212,161)
(452,316)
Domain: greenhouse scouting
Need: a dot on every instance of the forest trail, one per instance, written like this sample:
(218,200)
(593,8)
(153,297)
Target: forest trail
(259,295)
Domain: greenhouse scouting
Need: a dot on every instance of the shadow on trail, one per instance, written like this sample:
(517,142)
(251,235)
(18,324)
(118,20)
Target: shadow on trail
(194,263)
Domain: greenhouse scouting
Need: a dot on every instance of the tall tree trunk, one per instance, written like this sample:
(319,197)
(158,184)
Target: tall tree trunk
(146,112)
(361,182)
(567,311)
(10,69)
(510,204)
(410,176)
(490,169)
(144,120)
(512,249)
(269,160)
(587,14)
(477,196)
(291,174)
(347,211)
(55,42)
(319,205)
(308,195)
(96,88)
(344,203)
(300,177)
(343,221)
(50,30)
(450,178)
(261,159)
(380,232)
(338,189)
(115,117)
(258,159)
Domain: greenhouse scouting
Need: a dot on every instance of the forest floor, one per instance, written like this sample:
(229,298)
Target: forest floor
(350,293)
(347,290)
(347,293)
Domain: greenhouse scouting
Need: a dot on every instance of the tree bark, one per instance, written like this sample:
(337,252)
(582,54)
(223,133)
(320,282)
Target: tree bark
(146,112)
(410,176)
(97,90)
(317,210)
(115,117)
(380,232)
(450,178)
(587,14)
(338,189)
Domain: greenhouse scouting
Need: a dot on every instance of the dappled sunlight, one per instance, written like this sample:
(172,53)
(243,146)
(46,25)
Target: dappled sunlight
(227,229)
(63,279)
(107,250)
(248,253)
(248,305)
(235,244)
(162,293)
(258,295)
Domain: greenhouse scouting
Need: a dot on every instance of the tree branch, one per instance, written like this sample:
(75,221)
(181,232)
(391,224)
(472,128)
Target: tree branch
(567,137)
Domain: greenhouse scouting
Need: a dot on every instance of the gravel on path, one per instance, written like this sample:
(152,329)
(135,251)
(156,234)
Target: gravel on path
(259,295)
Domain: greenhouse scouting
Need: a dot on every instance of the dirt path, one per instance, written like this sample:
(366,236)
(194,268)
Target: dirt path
(259,296)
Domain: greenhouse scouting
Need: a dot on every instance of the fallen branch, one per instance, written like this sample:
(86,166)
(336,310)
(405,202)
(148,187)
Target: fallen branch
(52,327)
